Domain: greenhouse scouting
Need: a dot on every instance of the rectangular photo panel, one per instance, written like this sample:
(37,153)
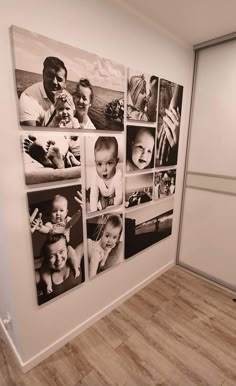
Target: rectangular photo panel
(104,171)
(143,229)
(105,242)
(164,183)
(169,119)
(141,96)
(140,148)
(138,189)
(55,217)
(63,86)
(49,157)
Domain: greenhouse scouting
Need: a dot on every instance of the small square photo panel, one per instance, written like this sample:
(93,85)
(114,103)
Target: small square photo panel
(104,171)
(169,120)
(143,228)
(50,157)
(142,96)
(55,218)
(105,242)
(138,189)
(164,183)
(140,148)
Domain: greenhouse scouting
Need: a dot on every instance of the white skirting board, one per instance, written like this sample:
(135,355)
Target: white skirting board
(35,360)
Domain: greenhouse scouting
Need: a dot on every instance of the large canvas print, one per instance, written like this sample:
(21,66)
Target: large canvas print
(57,238)
(66,87)
(138,189)
(141,96)
(143,229)
(169,119)
(50,157)
(104,171)
(105,242)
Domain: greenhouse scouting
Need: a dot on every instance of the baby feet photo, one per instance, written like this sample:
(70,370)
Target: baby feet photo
(50,157)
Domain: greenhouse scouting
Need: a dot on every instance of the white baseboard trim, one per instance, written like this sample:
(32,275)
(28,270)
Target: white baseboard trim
(35,360)
(9,340)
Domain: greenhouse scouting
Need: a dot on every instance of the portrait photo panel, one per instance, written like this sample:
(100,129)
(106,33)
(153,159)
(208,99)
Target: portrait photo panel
(169,120)
(104,171)
(61,86)
(140,148)
(142,90)
(164,183)
(138,189)
(143,229)
(49,157)
(55,218)
(105,242)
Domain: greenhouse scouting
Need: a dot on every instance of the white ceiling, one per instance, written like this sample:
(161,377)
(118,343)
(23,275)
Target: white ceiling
(191,21)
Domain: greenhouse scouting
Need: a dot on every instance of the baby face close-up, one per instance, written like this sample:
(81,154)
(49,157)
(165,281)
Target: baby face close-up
(64,112)
(106,161)
(110,236)
(142,149)
(59,210)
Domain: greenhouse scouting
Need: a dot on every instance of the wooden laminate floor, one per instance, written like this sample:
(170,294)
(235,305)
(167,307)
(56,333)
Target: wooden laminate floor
(179,330)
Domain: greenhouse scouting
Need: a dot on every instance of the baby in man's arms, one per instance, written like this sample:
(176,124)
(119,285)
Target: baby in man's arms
(63,115)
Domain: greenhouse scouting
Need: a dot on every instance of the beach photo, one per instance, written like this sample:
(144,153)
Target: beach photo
(164,183)
(138,189)
(55,218)
(143,229)
(142,92)
(105,242)
(61,86)
(104,171)
(169,121)
(140,148)
(49,157)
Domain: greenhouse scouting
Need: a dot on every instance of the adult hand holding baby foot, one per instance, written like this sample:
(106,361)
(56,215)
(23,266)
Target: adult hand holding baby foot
(36,151)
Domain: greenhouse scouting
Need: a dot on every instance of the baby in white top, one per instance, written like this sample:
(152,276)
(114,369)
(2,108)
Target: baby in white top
(63,115)
(107,181)
(107,239)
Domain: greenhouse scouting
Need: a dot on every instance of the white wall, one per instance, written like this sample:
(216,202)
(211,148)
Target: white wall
(100,27)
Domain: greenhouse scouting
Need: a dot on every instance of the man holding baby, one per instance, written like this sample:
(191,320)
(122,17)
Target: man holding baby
(37,102)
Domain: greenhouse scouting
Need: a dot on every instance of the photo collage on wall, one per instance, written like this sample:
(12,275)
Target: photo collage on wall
(100,146)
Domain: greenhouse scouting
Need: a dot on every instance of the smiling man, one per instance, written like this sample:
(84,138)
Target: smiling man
(37,101)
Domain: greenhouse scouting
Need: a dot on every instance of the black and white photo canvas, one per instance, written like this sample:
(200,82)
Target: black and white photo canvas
(164,183)
(143,229)
(142,92)
(140,148)
(65,87)
(138,189)
(104,171)
(50,157)
(105,242)
(169,119)
(55,218)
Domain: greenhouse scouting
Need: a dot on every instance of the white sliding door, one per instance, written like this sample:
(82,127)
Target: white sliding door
(208,232)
